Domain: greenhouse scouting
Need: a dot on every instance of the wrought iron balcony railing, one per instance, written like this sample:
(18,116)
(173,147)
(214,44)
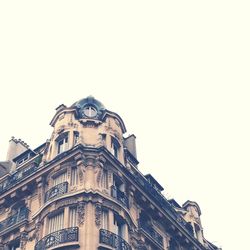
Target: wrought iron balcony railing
(19,175)
(56,191)
(119,195)
(15,219)
(62,236)
(113,240)
(151,232)
(155,195)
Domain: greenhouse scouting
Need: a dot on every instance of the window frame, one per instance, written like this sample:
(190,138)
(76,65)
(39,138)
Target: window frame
(62,143)
(115,147)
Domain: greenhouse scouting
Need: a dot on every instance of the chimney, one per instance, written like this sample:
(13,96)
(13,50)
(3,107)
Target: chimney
(130,144)
(16,147)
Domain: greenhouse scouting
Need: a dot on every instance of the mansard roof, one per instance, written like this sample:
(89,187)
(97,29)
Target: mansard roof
(90,100)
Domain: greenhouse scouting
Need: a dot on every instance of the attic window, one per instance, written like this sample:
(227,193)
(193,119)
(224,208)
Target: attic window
(62,143)
(23,159)
(115,147)
(90,111)
(76,137)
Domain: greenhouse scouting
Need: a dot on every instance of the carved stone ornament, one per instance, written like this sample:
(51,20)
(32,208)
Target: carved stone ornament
(23,240)
(80,170)
(81,212)
(36,232)
(98,173)
(40,197)
(138,244)
(60,129)
(2,210)
(98,214)
(90,160)
(72,124)
(81,174)
(66,202)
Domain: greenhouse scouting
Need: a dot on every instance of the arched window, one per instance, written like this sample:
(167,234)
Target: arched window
(115,147)
(76,137)
(62,143)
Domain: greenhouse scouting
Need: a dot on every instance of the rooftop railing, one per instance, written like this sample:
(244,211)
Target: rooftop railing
(151,232)
(19,175)
(155,195)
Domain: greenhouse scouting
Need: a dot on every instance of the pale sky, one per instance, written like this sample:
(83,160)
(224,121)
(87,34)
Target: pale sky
(176,72)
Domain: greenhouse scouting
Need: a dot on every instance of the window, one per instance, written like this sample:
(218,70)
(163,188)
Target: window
(60,179)
(105,178)
(89,111)
(115,147)
(118,184)
(24,159)
(198,233)
(74,177)
(14,245)
(76,137)
(104,138)
(105,219)
(62,143)
(56,222)
(119,226)
(72,217)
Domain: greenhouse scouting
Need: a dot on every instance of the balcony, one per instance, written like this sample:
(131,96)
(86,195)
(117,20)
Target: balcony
(56,191)
(152,233)
(15,220)
(63,236)
(113,240)
(120,196)
(156,196)
(19,176)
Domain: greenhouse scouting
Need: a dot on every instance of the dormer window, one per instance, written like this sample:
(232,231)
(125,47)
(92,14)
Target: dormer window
(62,143)
(24,159)
(89,111)
(76,137)
(115,147)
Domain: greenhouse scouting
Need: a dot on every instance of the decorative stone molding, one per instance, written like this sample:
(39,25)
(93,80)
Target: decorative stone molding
(23,240)
(61,116)
(45,212)
(81,169)
(36,233)
(98,174)
(73,125)
(60,129)
(137,242)
(81,175)
(81,212)
(2,210)
(110,177)
(98,214)
(90,160)
(66,202)
(39,192)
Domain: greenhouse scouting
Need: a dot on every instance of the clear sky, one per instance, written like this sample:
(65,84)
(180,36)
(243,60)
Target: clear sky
(177,72)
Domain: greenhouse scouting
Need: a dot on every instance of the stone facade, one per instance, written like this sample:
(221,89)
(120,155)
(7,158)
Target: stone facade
(82,189)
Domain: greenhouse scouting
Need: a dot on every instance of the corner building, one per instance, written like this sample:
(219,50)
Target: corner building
(82,189)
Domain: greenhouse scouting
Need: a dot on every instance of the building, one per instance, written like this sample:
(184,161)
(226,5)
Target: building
(82,189)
